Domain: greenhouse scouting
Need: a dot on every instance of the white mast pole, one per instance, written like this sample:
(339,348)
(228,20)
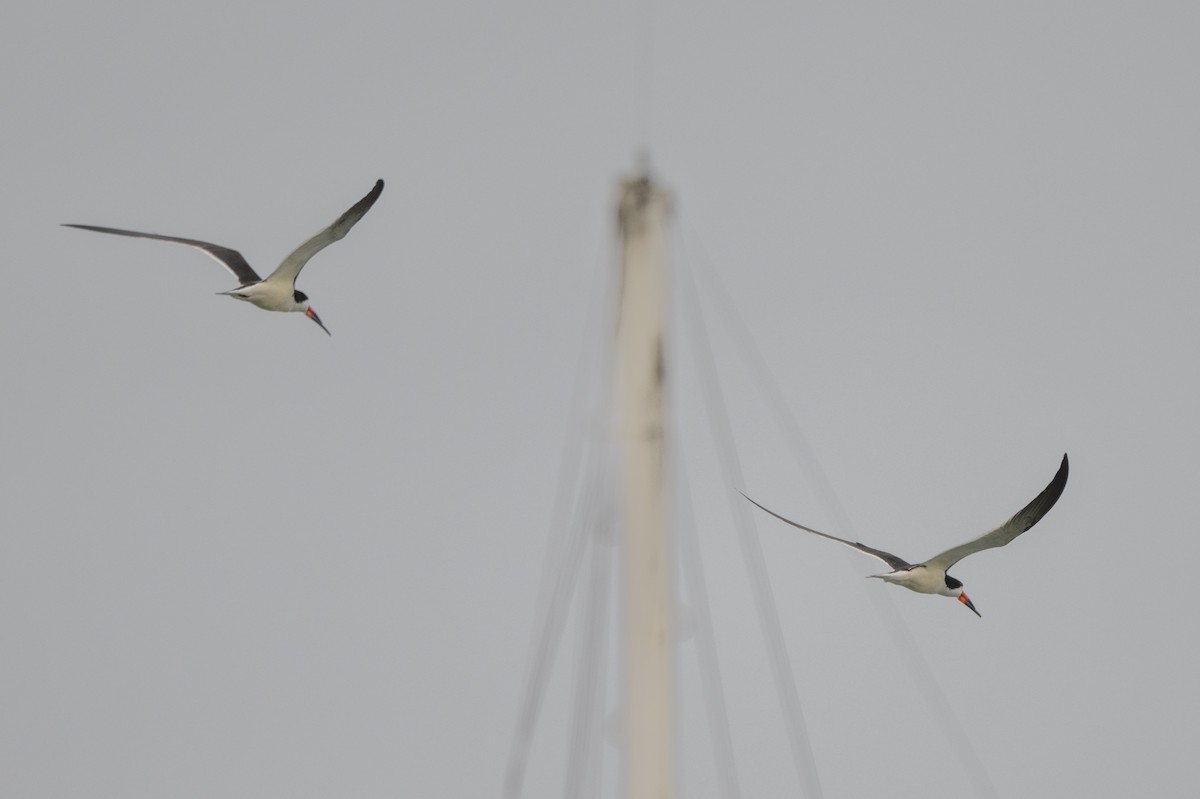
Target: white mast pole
(642,216)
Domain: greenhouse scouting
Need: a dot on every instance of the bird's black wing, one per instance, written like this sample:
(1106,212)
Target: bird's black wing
(1025,518)
(230,259)
(897,564)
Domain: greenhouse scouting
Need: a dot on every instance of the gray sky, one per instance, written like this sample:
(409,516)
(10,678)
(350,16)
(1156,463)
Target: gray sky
(241,558)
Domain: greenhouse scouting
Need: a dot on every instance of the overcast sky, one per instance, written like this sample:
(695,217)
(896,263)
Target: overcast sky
(242,558)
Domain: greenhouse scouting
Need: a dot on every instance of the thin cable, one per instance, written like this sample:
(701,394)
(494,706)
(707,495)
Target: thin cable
(583,464)
(552,614)
(692,567)
(802,452)
(752,554)
(585,751)
(644,65)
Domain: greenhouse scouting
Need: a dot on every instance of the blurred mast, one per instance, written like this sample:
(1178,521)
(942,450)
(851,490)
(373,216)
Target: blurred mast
(642,212)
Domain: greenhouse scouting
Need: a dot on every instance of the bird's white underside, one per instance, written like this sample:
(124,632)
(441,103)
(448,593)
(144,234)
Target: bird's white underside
(922,579)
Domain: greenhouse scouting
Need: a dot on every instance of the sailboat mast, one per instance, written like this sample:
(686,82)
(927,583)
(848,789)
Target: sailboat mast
(642,216)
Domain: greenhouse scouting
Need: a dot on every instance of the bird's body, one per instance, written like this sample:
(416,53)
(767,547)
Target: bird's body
(930,577)
(270,296)
(276,292)
(920,578)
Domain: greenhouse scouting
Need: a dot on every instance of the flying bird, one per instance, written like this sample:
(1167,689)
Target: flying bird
(277,292)
(930,577)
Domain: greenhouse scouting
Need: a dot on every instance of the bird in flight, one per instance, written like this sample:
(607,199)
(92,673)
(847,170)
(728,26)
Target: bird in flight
(930,577)
(276,292)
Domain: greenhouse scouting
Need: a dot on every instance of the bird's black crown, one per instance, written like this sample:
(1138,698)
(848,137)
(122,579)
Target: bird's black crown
(952,583)
(299,296)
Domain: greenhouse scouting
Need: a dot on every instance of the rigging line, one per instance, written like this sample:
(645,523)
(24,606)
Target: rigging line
(644,65)
(752,555)
(805,457)
(580,461)
(553,617)
(552,614)
(605,611)
(591,407)
(691,565)
(586,750)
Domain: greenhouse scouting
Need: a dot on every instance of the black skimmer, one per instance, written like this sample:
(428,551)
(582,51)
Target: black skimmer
(277,292)
(930,577)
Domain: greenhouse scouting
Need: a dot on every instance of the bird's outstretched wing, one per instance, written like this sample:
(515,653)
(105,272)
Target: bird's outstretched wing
(1025,518)
(891,560)
(230,259)
(286,272)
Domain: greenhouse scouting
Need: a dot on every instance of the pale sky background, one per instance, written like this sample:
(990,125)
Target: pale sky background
(241,558)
